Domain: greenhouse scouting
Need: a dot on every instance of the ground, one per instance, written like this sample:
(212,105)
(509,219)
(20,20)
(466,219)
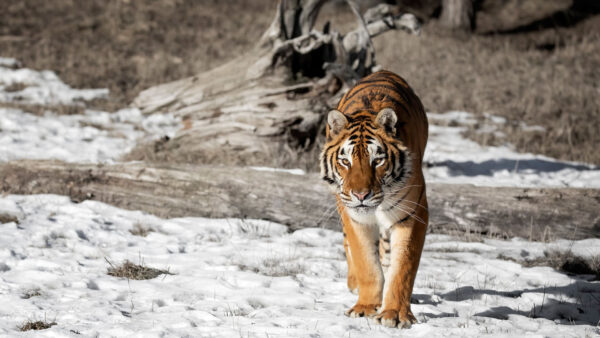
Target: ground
(250,278)
(61,262)
(71,268)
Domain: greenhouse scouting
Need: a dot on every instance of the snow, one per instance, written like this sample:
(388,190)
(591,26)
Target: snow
(234,277)
(104,137)
(252,278)
(455,159)
(92,137)
(42,87)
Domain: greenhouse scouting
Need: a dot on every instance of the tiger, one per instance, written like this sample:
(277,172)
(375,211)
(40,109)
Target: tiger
(372,159)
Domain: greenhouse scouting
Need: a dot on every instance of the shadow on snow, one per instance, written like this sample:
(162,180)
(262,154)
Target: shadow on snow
(488,168)
(576,303)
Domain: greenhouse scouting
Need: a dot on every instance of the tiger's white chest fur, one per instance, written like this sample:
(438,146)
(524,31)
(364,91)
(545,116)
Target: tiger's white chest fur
(380,218)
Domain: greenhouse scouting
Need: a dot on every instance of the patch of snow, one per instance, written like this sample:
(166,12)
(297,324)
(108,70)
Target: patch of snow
(9,62)
(42,87)
(451,158)
(252,278)
(94,136)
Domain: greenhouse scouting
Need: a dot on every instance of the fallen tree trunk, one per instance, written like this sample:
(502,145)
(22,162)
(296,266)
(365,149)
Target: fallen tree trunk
(272,98)
(302,200)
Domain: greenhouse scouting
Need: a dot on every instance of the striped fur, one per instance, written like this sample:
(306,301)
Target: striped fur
(373,162)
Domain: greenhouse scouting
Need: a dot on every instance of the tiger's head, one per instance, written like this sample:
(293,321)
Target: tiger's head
(363,160)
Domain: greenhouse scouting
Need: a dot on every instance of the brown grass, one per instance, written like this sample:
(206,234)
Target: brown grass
(140,230)
(15,87)
(40,110)
(6,218)
(37,325)
(549,78)
(31,293)
(128,45)
(511,76)
(131,270)
(565,261)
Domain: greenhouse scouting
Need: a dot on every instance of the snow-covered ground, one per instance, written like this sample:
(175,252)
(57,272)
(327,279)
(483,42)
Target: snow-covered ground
(104,137)
(253,279)
(93,136)
(455,159)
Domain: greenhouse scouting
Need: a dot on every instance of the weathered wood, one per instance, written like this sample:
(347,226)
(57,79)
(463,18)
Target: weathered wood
(302,200)
(275,96)
(457,14)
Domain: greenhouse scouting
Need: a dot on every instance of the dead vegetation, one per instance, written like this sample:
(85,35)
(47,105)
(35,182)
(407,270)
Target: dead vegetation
(36,325)
(548,77)
(131,270)
(40,110)
(7,218)
(31,293)
(568,262)
(128,46)
(140,230)
(565,261)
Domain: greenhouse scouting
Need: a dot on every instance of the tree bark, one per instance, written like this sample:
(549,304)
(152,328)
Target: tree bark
(457,15)
(274,97)
(303,200)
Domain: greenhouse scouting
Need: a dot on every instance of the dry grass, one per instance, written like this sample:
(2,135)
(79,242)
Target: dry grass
(565,261)
(7,218)
(37,325)
(140,230)
(128,45)
(31,293)
(515,76)
(131,270)
(549,78)
(40,110)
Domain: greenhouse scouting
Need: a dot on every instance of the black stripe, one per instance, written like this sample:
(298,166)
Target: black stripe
(407,217)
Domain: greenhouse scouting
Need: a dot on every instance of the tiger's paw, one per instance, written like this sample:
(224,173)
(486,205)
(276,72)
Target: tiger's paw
(362,310)
(395,318)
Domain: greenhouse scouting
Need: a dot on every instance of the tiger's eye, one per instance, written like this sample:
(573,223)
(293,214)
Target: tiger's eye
(378,161)
(345,162)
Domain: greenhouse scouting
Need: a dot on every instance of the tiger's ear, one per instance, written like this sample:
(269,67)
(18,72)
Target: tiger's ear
(387,119)
(336,122)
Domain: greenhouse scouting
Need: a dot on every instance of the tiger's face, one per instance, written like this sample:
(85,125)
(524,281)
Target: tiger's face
(363,160)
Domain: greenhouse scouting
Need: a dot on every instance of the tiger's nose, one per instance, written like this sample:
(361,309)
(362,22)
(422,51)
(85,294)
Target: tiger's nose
(362,195)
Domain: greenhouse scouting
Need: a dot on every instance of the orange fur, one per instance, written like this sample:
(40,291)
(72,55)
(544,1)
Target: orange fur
(373,159)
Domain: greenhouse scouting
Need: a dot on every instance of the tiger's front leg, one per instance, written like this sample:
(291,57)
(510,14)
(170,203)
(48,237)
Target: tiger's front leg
(362,254)
(406,246)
